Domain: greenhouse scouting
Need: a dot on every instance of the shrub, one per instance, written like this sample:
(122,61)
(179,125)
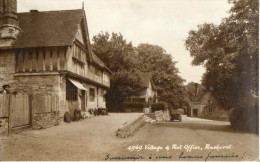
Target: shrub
(159,106)
(133,106)
(245,119)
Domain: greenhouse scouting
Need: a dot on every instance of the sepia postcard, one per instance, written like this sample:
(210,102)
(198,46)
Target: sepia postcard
(129,80)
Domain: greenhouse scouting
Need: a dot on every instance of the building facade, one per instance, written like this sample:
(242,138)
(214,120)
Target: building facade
(47,56)
(205,105)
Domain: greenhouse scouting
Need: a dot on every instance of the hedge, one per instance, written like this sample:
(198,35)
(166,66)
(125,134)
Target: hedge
(159,106)
(134,106)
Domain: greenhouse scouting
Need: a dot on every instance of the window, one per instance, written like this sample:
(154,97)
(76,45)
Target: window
(96,70)
(104,97)
(91,94)
(79,54)
(71,91)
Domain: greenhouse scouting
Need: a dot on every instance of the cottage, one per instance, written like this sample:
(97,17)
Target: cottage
(47,58)
(205,105)
(149,95)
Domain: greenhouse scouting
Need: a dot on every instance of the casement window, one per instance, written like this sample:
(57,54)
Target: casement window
(91,94)
(71,91)
(104,97)
(79,55)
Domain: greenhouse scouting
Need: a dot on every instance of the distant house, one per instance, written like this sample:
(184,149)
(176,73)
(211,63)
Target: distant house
(205,105)
(149,95)
(47,56)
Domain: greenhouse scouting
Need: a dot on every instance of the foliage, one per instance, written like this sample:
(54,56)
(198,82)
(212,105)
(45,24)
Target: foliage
(229,52)
(138,105)
(114,51)
(153,58)
(122,58)
(118,55)
(159,106)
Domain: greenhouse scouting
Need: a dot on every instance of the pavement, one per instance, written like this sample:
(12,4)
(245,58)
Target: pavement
(193,139)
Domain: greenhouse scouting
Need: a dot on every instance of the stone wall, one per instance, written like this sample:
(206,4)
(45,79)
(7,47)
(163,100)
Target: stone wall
(45,120)
(38,84)
(4,126)
(7,68)
(129,128)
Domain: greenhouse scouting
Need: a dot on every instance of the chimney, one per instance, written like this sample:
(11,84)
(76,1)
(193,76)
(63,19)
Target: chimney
(196,89)
(9,24)
(34,11)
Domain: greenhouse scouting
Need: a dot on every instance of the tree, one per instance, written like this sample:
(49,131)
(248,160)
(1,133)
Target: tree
(123,84)
(114,51)
(153,58)
(229,52)
(119,56)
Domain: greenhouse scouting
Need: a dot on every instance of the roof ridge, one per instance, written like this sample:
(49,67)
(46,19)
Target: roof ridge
(50,11)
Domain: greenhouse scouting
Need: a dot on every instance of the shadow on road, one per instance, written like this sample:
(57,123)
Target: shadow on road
(226,127)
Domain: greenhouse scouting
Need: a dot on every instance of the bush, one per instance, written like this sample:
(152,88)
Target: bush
(133,106)
(245,119)
(159,106)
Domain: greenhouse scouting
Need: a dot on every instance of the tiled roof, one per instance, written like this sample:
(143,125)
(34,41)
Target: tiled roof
(146,78)
(51,28)
(99,62)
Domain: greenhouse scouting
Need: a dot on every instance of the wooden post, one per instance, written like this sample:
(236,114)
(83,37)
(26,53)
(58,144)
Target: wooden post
(9,112)
(33,61)
(58,59)
(40,60)
(62,54)
(48,59)
(27,61)
(55,59)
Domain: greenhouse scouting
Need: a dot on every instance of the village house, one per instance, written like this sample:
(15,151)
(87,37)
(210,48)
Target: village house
(47,67)
(149,95)
(205,105)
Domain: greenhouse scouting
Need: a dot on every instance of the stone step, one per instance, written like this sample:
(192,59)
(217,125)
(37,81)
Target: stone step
(147,119)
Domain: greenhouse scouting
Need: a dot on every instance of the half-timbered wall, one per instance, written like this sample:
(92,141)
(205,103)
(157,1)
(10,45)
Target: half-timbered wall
(106,79)
(40,59)
(77,61)
(95,74)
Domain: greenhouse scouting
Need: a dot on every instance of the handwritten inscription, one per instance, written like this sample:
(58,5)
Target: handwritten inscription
(182,156)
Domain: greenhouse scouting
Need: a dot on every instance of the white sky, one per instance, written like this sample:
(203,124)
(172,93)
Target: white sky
(162,22)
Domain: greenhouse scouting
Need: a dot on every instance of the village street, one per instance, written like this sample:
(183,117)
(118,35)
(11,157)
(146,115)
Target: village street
(94,139)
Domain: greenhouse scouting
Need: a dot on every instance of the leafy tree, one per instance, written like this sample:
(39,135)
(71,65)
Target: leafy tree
(114,51)
(123,84)
(119,56)
(229,52)
(153,58)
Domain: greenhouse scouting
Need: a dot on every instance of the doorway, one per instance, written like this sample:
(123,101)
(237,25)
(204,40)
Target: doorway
(195,112)
(83,100)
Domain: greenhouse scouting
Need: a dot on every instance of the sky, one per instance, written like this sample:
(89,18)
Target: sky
(161,22)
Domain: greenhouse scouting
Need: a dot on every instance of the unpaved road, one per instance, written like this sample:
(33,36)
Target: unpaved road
(94,139)
(88,139)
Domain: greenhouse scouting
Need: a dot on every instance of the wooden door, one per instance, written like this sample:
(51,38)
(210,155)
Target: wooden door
(20,113)
(83,100)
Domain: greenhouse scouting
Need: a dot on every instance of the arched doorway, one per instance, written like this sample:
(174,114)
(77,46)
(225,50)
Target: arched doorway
(195,112)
